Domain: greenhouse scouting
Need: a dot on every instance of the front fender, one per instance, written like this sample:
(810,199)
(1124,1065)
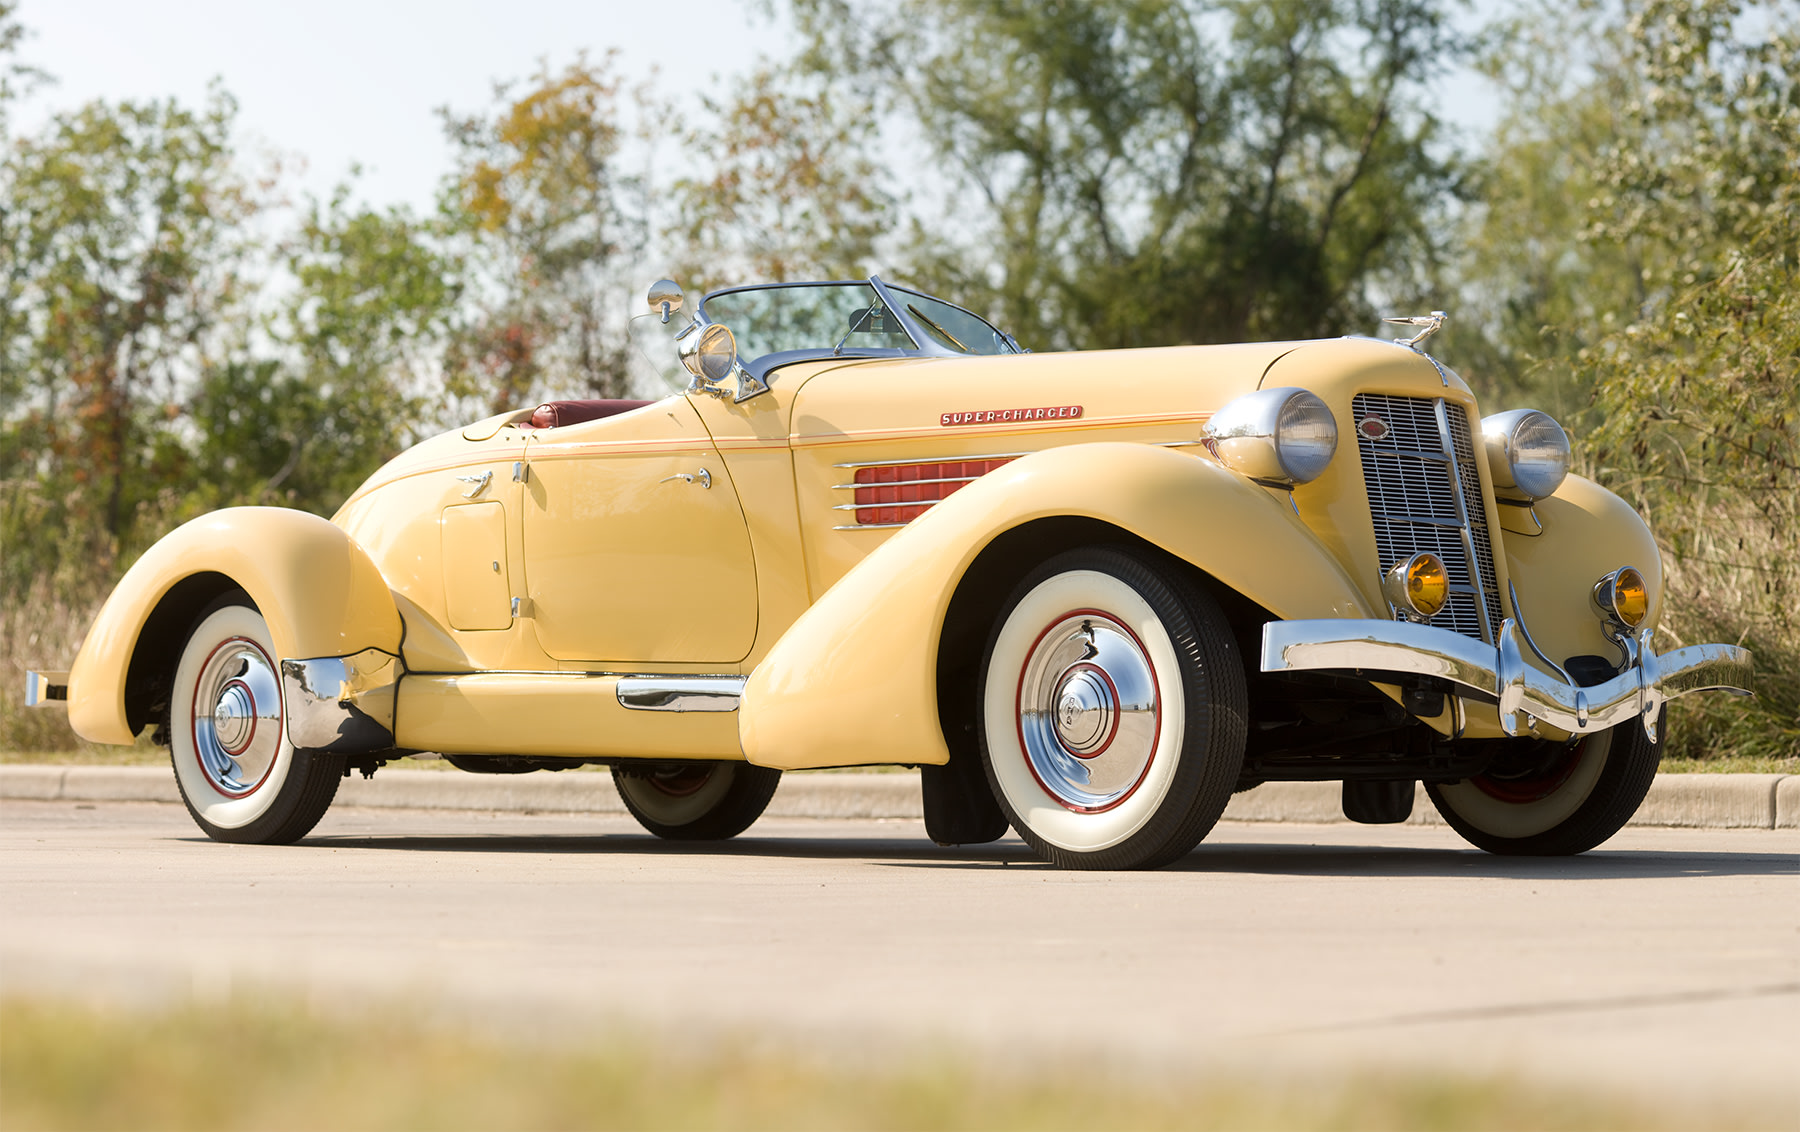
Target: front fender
(854,680)
(318,590)
(1588,532)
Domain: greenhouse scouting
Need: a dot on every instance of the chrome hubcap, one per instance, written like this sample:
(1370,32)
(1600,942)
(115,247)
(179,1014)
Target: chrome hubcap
(237,716)
(1089,714)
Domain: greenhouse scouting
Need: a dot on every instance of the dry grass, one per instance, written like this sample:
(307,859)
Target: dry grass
(41,631)
(1734,584)
(279,1065)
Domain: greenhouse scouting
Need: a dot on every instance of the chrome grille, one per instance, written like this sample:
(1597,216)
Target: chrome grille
(1425,495)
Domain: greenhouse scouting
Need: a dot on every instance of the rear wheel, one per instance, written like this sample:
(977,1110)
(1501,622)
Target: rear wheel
(696,801)
(1113,711)
(240,777)
(1548,799)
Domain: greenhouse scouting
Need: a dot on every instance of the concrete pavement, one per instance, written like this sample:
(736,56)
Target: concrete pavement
(1700,801)
(1666,964)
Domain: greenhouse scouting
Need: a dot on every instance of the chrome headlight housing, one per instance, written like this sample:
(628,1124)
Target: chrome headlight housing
(1286,435)
(1528,452)
(709,354)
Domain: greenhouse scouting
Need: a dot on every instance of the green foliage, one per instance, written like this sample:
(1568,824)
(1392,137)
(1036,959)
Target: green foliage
(122,232)
(141,386)
(1142,172)
(548,219)
(372,302)
(1111,173)
(1641,244)
(1697,401)
(792,190)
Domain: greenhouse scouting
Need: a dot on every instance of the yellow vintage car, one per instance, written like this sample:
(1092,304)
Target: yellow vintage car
(1090,595)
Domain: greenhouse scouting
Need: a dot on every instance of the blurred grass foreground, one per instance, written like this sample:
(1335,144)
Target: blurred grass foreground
(274,1064)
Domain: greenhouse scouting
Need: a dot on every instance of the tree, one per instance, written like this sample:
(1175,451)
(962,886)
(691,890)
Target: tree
(791,190)
(123,234)
(1640,246)
(1697,398)
(546,211)
(372,303)
(1137,172)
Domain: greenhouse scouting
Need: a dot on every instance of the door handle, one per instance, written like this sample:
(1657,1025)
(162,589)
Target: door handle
(704,476)
(477,484)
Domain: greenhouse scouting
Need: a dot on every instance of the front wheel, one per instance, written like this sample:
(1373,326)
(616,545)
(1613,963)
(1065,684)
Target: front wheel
(1548,799)
(239,775)
(696,801)
(1113,711)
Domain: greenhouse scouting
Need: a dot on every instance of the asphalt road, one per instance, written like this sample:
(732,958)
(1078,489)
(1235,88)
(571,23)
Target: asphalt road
(1667,962)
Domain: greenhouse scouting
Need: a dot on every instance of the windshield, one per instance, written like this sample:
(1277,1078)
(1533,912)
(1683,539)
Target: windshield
(849,318)
(952,327)
(772,320)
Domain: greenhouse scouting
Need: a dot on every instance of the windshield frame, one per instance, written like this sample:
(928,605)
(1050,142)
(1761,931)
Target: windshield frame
(924,344)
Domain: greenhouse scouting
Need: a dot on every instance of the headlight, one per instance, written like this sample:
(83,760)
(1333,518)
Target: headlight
(710,353)
(1528,452)
(1285,434)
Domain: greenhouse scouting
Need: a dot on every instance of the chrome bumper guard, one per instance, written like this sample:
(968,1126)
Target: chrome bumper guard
(1525,693)
(341,704)
(46,688)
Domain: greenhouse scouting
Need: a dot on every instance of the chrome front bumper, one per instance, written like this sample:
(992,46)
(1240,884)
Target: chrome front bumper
(1524,692)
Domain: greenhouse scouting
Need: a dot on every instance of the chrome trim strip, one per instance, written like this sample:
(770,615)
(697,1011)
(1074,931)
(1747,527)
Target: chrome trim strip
(1441,410)
(46,687)
(871,526)
(1523,691)
(932,460)
(1519,612)
(681,693)
(875,506)
(910,325)
(341,704)
(1421,520)
(1409,454)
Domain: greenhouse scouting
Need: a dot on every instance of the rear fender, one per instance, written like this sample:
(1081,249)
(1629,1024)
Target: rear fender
(318,590)
(854,680)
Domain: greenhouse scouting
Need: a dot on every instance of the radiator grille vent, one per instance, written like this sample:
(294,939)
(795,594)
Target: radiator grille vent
(1425,495)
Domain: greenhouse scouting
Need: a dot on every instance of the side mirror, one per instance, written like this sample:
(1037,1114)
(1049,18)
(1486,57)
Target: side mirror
(665,298)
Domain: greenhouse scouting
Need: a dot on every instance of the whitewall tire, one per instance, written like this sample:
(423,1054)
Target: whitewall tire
(239,775)
(696,801)
(1553,799)
(1113,710)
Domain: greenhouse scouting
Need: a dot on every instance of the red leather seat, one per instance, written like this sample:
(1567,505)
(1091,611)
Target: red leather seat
(555,414)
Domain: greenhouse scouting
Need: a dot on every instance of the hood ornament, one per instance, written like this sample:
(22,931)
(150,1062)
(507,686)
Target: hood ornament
(1431,324)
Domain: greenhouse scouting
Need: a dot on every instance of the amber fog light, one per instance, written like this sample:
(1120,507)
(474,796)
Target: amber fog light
(1418,585)
(1622,596)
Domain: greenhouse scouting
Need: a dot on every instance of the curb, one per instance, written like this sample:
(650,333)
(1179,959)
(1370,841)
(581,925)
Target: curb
(1694,801)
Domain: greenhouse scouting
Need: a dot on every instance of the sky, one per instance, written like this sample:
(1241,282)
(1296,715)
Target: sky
(341,81)
(337,82)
